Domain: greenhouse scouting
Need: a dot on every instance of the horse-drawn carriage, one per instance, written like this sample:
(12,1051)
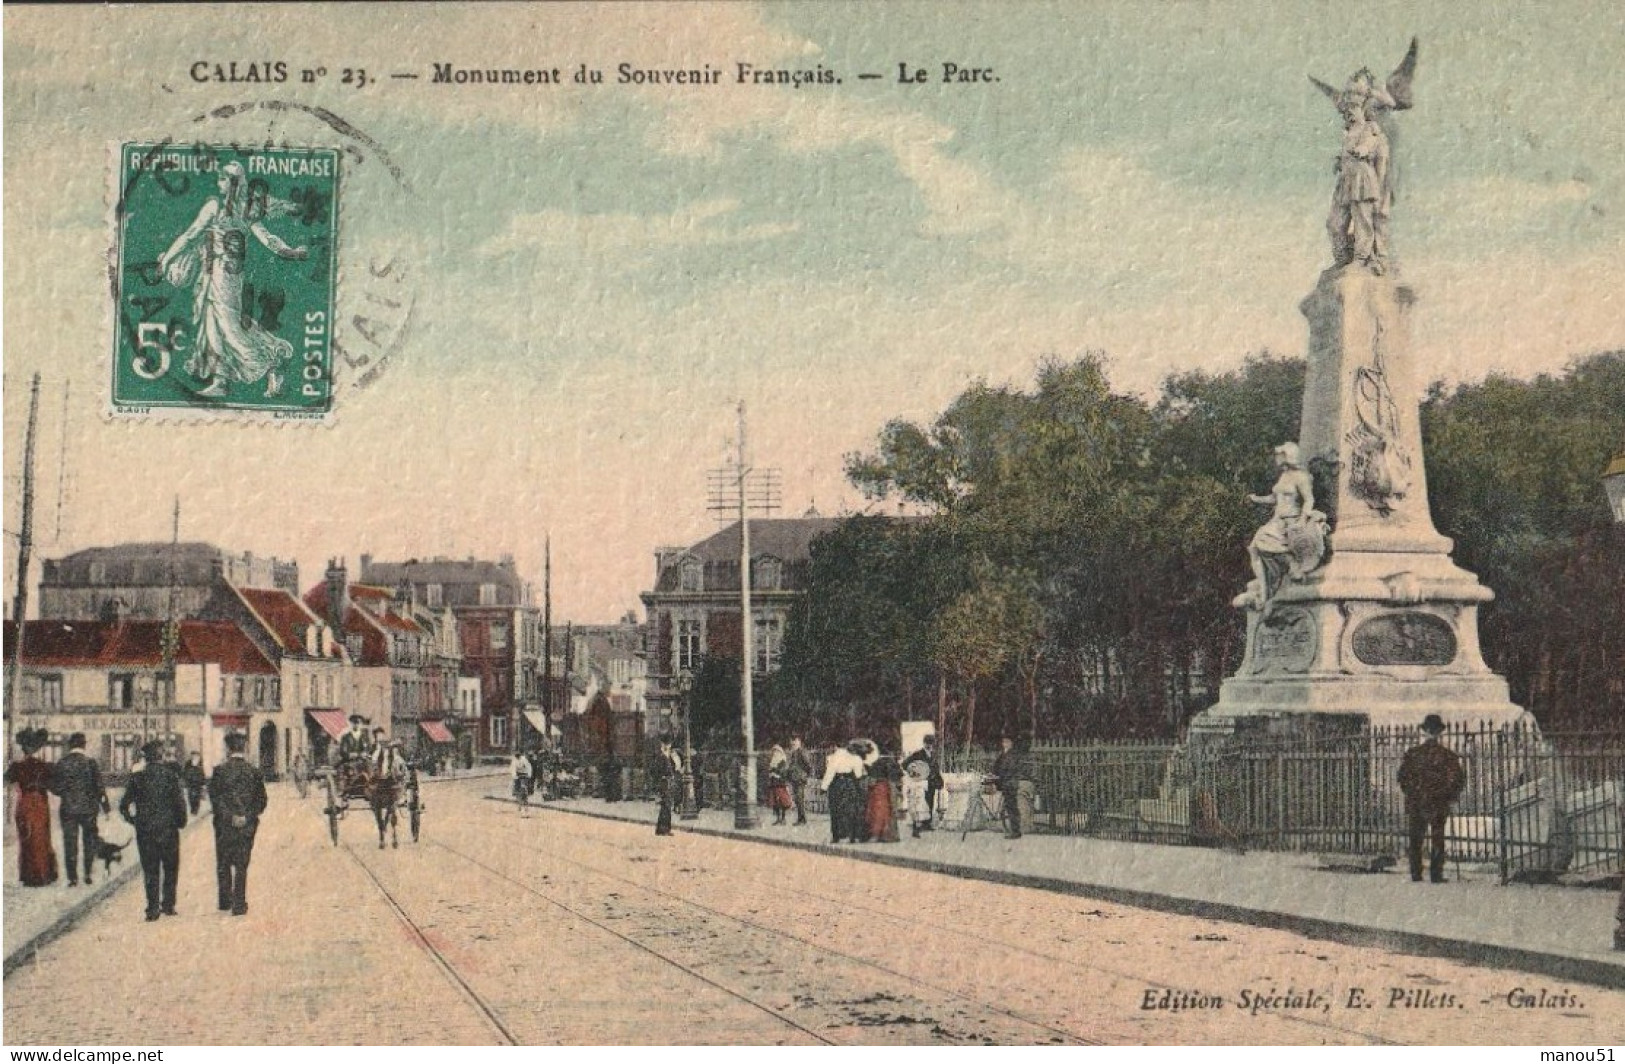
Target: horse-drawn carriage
(385,793)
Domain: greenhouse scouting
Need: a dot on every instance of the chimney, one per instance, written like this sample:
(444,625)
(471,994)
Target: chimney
(366,564)
(338,594)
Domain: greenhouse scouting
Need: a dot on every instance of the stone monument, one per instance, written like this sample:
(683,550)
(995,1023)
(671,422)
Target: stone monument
(1356,613)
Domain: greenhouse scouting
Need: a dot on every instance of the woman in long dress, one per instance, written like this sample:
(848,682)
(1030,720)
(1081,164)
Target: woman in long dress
(228,345)
(32,778)
(778,783)
(880,818)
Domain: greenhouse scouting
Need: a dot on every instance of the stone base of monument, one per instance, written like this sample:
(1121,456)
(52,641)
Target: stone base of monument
(1385,632)
(1384,639)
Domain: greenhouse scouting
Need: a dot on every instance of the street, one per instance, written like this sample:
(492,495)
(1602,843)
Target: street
(540,927)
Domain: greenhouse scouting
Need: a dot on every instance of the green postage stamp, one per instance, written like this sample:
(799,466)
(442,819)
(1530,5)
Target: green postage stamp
(225,265)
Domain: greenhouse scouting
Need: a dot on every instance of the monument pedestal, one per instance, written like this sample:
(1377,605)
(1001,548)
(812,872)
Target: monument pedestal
(1386,630)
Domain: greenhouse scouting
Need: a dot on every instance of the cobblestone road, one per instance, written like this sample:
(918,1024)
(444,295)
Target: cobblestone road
(550,928)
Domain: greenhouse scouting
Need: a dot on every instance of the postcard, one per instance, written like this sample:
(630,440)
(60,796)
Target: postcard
(843,524)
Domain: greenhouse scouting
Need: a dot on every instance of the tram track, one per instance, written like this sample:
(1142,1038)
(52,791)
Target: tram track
(504,1035)
(1055,1034)
(912,925)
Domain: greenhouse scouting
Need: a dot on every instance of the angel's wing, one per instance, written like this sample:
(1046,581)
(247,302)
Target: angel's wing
(1331,93)
(1399,82)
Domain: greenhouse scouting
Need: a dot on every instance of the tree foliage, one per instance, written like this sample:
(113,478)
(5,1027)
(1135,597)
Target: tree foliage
(1077,572)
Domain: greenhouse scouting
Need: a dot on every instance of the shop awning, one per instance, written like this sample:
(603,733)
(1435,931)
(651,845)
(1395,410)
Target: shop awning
(436,731)
(539,722)
(229,720)
(333,721)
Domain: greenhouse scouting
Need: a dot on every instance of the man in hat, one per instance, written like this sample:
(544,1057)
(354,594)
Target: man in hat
(237,796)
(159,813)
(77,780)
(798,770)
(1013,771)
(926,755)
(667,775)
(1431,777)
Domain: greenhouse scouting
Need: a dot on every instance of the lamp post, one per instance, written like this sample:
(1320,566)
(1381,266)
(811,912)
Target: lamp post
(1613,483)
(685,685)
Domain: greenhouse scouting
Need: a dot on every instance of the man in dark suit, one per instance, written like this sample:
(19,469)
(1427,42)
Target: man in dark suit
(237,796)
(1431,777)
(798,771)
(666,773)
(77,780)
(159,803)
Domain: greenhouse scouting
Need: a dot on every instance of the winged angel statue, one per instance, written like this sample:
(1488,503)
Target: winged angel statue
(1365,175)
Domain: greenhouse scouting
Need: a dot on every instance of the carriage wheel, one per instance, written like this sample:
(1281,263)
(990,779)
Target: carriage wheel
(333,809)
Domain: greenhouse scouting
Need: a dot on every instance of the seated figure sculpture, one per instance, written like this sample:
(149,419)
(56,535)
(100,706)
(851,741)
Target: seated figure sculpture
(1293,540)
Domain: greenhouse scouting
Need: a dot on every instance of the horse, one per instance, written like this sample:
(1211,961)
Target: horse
(384,794)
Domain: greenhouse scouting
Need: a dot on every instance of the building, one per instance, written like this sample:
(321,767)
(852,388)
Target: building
(499,637)
(110,679)
(144,577)
(320,688)
(694,610)
(392,646)
(607,678)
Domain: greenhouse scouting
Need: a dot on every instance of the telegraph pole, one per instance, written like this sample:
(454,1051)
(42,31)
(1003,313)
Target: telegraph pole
(547,643)
(745,802)
(25,545)
(736,492)
(172,633)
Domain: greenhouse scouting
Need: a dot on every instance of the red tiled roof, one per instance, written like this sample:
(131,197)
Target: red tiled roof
(365,623)
(70,644)
(285,616)
(399,623)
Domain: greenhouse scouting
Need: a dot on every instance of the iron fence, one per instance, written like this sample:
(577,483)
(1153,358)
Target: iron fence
(1534,806)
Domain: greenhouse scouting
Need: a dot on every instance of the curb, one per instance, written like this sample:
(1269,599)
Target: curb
(1553,965)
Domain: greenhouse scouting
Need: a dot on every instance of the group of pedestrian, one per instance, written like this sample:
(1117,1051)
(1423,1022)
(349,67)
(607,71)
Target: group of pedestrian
(156,803)
(862,783)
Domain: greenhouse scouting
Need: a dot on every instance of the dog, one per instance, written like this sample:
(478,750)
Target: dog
(108,854)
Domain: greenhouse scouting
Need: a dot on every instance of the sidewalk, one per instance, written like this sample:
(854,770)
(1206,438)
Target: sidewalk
(1561,932)
(34,916)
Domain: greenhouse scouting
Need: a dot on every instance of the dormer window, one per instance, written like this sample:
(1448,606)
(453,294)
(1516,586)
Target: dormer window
(766,573)
(691,577)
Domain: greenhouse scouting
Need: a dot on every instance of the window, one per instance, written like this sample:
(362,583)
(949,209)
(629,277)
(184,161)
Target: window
(98,572)
(692,576)
(434,594)
(765,573)
(488,594)
(499,635)
(237,692)
(688,645)
(121,691)
(259,691)
(315,695)
(499,731)
(769,634)
(330,701)
(50,692)
(276,693)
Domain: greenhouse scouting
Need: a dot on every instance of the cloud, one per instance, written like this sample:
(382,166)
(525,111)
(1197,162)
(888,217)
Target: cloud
(601,238)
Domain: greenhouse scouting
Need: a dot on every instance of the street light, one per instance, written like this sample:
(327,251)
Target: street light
(685,685)
(1613,482)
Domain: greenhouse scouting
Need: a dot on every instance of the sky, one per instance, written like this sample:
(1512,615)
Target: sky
(600,274)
